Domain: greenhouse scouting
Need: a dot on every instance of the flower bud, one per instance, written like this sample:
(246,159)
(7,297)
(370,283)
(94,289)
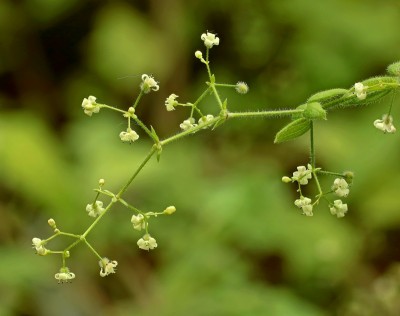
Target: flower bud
(52,223)
(102,182)
(286,179)
(170,210)
(198,54)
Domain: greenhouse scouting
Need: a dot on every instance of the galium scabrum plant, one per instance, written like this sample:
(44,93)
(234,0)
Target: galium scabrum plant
(303,117)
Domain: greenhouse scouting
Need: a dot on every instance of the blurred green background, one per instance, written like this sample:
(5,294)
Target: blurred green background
(237,245)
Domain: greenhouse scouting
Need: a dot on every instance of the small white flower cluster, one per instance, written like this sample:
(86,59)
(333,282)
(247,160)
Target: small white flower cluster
(303,174)
(338,208)
(129,136)
(95,209)
(305,204)
(64,275)
(340,187)
(90,106)
(148,84)
(385,124)
(188,124)
(360,90)
(205,119)
(209,39)
(147,242)
(107,266)
(138,222)
(37,244)
(171,102)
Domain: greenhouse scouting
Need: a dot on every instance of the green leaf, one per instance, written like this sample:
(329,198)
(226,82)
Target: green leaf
(292,130)
(327,95)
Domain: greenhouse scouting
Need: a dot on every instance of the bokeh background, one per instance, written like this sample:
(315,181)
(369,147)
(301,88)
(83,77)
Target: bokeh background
(237,245)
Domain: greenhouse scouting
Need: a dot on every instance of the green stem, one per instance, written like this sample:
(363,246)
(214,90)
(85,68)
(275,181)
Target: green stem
(189,131)
(140,123)
(138,99)
(277,113)
(150,154)
(312,149)
(111,108)
(92,249)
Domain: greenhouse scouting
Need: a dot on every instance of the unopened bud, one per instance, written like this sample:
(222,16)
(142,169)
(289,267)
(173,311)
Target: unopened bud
(286,179)
(52,223)
(170,210)
(101,182)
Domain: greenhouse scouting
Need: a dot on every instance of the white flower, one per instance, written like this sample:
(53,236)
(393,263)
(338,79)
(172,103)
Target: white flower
(129,136)
(171,102)
(90,106)
(205,119)
(360,90)
(242,87)
(305,204)
(95,209)
(338,208)
(209,39)
(147,242)
(302,174)
(138,222)
(107,267)
(188,124)
(65,275)
(385,124)
(340,187)
(40,249)
(148,84)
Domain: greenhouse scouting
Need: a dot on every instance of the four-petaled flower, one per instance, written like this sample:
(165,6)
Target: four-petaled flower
(188,124)
(338,208)
(171,102)
(148,84)
(385,124)
(64,275)
(107,266)
(90,106)
(147,242)
(95,209)
(305,204)
(302,175)
(129,136)
(209,39)
(360,90)
(37,243)
(138,222)
(340,187)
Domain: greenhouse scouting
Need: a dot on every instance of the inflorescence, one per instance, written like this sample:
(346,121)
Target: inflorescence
(303,117)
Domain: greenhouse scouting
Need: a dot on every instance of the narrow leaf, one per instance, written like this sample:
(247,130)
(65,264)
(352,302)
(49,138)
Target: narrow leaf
(292,130)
